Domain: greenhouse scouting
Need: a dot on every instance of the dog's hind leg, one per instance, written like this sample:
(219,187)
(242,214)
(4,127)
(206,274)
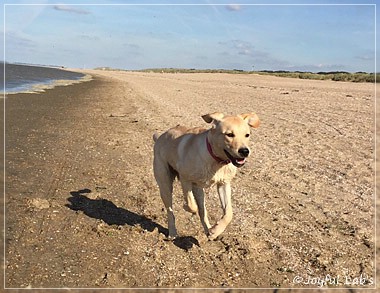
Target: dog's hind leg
(165,177)
(190,205)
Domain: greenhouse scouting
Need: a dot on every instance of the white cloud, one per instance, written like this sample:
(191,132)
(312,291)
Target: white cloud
(239,46)
(233,7)
(16,38)
(365,57)
(70,9)
(84,37)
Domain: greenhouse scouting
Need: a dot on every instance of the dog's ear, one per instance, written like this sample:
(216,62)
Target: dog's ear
(213,117)
(252,119)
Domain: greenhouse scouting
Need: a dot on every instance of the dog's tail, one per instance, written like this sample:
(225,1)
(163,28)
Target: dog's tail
(155,136)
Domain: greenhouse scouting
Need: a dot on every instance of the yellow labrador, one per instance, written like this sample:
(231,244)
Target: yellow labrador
(202,157)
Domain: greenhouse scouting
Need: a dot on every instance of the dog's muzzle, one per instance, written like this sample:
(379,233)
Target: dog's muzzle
(238,162)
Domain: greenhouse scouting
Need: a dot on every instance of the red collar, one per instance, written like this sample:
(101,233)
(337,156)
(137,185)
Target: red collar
(215,157)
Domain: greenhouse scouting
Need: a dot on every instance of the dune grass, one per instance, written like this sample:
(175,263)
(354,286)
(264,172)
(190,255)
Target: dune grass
(333,75)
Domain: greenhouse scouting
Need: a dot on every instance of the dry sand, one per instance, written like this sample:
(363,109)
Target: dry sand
(83,209)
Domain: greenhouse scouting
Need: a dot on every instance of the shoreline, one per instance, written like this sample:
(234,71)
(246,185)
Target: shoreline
(43,87)
(51,101)
(40,134)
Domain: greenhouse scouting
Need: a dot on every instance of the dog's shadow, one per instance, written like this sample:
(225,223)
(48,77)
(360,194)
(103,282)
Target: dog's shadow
(111,214)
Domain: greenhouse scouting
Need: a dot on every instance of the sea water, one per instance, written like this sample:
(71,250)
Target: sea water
(15,78)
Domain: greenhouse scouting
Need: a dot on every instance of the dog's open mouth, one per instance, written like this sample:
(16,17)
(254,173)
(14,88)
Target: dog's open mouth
(237,162)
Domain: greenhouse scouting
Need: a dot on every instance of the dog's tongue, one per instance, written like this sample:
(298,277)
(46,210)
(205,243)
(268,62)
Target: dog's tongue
(240,161)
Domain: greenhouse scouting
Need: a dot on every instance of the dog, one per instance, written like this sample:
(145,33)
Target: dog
(200,158)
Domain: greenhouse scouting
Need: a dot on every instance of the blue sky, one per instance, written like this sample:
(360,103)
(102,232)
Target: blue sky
(214,34)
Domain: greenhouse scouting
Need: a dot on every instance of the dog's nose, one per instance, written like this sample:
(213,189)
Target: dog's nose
(244,152)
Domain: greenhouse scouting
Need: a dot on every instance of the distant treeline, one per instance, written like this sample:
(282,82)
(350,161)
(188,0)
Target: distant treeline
(332,75)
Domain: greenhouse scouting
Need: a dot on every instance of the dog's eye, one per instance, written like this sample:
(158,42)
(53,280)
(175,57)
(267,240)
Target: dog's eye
(247,135)
(230,134)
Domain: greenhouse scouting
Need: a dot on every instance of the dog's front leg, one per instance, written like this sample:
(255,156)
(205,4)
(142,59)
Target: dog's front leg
(200,199)
(224,191)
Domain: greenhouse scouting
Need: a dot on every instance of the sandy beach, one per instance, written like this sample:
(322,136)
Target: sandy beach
(83,209)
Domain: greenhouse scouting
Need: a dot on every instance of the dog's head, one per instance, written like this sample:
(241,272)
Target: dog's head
(229,136)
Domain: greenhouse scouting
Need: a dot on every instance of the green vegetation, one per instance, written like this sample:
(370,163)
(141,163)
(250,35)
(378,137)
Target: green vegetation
(333,75)
(192,70)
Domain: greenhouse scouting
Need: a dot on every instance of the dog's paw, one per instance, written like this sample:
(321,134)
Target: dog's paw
(212,237)
(212,233)
(192,209)
(172,231)
(171,237)
(215,231)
